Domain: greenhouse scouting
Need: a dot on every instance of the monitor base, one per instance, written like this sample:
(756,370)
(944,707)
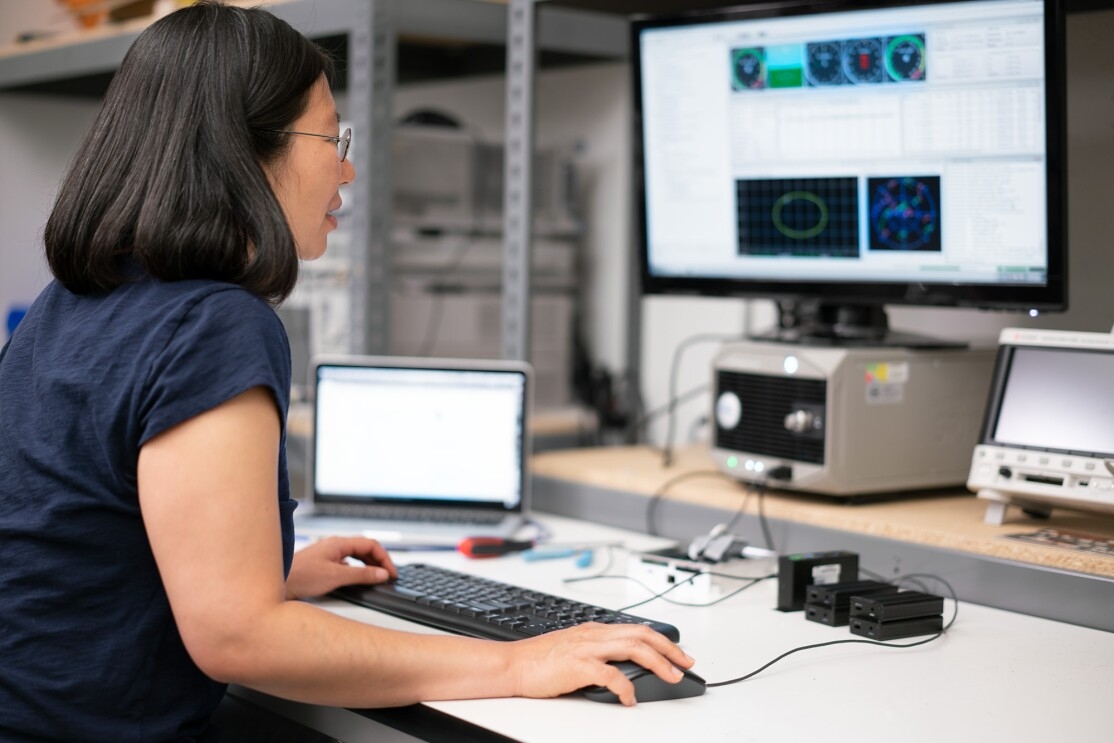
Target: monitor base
(825,324)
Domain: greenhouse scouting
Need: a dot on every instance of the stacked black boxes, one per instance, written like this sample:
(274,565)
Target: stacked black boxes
(831,604)
(896,615)
(824,585)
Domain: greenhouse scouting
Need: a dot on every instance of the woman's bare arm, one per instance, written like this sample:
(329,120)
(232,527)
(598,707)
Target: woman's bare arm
(207,491)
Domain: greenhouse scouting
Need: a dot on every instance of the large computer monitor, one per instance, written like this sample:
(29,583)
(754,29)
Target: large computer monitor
(842,156)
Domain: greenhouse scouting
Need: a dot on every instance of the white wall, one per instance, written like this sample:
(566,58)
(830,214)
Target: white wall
(37,138)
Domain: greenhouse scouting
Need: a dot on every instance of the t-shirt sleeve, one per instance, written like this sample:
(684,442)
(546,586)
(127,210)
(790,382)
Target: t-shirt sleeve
(222,345)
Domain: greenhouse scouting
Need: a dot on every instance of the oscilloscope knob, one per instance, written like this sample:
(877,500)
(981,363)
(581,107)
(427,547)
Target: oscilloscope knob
(801,421)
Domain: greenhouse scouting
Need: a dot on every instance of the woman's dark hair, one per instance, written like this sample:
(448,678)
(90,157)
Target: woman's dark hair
(170,173)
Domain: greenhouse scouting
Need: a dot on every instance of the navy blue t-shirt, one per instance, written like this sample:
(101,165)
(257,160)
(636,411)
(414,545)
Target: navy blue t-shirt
(88,647)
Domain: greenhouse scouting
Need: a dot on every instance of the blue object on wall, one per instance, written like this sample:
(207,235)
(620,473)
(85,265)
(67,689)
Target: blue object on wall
(15,314)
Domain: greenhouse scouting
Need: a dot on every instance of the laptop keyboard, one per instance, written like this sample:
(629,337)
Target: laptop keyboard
(411,513)
(480,607)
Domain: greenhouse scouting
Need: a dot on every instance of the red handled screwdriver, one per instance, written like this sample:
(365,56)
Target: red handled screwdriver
(479,547)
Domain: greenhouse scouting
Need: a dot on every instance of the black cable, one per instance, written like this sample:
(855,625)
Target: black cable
(542,532)
(740,511)
(600,576)
(752,582)
(874,576)
(938,579)
(819,645)
(667,449)
(663,595)
(761,486)
(938,635)
(602,571)
(696,426)
(660,595)
(632,393)
(651,507)
(898,579)
(683,397)
(636,581)
(732,594)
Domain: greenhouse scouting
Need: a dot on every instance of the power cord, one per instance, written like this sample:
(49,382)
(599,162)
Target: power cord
(667,448)
(758,487)
(694,430)
(542,533)
(601,573)
(730,528)
(912,578)
(752,582)
(634,427)
(761,487)
(655,499)
(879,643)
(663,595)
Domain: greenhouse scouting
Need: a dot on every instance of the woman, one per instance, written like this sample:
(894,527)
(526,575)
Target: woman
(145,558)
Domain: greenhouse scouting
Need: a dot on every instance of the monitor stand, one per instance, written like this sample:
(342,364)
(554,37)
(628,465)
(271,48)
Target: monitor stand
(823,324)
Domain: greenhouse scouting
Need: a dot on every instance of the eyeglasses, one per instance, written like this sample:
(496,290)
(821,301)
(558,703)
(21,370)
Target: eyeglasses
(342,141)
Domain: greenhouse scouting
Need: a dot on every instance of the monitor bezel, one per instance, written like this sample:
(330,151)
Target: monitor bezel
(1050,297)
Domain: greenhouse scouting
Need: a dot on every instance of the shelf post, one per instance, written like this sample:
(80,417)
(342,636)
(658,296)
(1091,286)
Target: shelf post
(518,211)
(371,74)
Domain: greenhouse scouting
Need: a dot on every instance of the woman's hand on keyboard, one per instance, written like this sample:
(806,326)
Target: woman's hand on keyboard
(324,566)
(564,661)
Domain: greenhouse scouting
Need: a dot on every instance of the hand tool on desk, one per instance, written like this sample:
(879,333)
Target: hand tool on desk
(480,547)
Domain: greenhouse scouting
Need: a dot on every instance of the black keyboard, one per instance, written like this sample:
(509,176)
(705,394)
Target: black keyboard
(470,605)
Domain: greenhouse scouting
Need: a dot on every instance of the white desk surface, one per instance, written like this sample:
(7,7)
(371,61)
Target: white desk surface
(994,675)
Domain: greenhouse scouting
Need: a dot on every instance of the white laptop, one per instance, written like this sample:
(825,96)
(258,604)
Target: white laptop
(418,451)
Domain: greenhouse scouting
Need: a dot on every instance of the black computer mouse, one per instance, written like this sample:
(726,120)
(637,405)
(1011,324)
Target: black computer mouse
(648,687)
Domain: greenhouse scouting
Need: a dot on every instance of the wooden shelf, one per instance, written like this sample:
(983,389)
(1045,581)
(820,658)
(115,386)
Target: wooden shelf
(950,519)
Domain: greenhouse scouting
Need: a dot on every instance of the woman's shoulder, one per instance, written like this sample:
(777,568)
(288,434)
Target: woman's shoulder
(188,303)
(189,292)
(182,319)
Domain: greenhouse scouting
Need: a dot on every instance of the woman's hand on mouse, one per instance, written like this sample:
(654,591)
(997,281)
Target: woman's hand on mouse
(324,566)
(568,660)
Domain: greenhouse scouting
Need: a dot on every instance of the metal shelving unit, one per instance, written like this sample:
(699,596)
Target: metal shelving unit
(81,65)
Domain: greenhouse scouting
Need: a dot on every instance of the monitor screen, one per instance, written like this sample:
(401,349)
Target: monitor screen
(854,153)
(1053,399)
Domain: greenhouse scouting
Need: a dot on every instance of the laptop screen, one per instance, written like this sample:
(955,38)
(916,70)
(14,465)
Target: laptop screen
(434,432)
